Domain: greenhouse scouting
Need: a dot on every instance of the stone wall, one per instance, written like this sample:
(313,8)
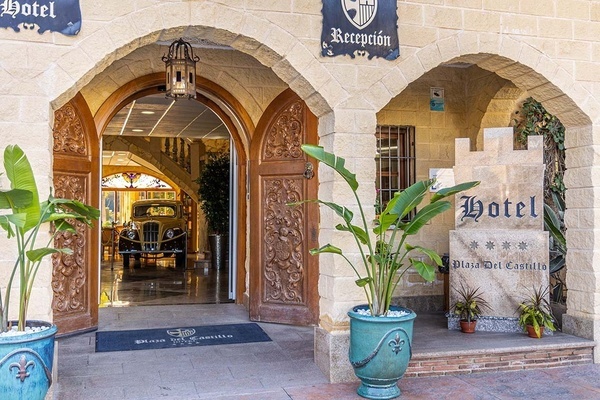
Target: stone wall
(549,49)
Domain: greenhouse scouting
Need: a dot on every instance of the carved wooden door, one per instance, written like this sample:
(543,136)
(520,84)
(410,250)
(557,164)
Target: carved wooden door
(283,275)
(76,169)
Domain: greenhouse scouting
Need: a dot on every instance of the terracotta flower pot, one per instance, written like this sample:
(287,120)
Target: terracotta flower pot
(468,327)
(532,334)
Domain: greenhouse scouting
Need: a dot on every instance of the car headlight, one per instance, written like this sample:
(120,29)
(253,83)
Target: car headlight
(131,234)
(170,233)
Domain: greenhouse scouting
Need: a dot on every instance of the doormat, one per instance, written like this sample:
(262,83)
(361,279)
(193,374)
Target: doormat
(167,338)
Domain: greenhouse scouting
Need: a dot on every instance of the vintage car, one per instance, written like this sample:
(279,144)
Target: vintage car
(157,229)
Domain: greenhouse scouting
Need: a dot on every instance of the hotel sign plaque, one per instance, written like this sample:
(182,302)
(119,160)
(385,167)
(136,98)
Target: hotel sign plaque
(62,16)
(499,244)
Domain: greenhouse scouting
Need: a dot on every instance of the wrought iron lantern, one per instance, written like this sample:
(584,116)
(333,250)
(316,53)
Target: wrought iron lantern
(180,65)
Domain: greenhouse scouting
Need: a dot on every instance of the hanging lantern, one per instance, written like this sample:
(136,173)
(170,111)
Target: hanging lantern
(180,65)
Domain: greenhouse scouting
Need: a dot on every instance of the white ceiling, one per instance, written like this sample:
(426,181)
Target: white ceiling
(159,116)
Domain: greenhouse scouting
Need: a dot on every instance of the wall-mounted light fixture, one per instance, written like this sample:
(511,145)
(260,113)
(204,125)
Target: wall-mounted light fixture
(180,65)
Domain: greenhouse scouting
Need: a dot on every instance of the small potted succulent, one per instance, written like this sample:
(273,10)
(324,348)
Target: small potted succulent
(535,313)
(469,307)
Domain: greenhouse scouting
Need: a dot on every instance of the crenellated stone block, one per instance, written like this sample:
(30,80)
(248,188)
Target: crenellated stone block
(499,244)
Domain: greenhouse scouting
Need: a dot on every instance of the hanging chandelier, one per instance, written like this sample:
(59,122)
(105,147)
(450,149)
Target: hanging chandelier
(180,66)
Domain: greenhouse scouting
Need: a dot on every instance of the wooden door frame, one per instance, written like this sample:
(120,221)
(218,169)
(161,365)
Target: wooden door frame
(150,84)
(71,163)
(271,113)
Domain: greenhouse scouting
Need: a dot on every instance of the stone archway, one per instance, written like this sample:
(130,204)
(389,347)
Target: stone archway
(288,57)
(580,314)
(234,116)
(301,72)
(529,71)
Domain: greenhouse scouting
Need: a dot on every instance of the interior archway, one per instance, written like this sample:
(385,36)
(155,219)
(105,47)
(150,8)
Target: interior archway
(234,117)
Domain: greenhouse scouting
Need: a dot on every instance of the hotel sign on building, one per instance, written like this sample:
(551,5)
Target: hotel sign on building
(62,16)
(360,28)
(499,244)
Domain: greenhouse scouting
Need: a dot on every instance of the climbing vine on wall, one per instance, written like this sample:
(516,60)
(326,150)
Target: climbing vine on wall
(533,119)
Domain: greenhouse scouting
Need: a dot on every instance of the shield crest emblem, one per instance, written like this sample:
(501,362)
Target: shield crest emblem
(360,13)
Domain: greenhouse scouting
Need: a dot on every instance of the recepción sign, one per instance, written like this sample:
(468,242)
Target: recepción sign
(360,28)
(62,16)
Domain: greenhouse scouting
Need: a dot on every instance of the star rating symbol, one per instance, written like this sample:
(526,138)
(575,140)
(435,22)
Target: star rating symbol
(506,245)
(490,245)
(522,246)
(474,245)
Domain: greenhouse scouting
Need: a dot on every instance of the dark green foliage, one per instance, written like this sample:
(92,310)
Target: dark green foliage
(23,217)
(535,311)
(535,120)
(470,304)
(214,192)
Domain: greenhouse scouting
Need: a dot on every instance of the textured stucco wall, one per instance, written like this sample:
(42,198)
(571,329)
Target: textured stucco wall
(549,49)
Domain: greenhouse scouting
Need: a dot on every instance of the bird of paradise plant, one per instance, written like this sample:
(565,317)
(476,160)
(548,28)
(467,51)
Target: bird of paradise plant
(385,254)
(24,218)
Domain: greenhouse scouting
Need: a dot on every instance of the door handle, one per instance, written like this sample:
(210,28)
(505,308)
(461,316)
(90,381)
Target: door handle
(309,171)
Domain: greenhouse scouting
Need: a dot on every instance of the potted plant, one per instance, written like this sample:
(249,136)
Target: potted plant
(214,202)
(469,307)
(535,313)
(27,347)
(380,333)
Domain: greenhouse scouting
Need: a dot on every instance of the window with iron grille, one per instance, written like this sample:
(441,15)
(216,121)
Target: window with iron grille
(395,161)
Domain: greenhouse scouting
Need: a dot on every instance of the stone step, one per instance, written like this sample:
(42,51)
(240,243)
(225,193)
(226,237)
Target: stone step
(427,364)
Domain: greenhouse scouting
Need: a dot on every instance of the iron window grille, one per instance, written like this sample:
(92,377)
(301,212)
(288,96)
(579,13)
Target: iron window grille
(395,162)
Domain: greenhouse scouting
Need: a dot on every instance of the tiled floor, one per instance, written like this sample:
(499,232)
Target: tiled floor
(277,370)
(283,368)
(255,369)
(157,281)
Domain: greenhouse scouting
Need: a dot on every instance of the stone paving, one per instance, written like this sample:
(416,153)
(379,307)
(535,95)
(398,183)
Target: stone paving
(281,369)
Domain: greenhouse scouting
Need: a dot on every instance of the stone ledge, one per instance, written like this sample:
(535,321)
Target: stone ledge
(427,364)
(490,324)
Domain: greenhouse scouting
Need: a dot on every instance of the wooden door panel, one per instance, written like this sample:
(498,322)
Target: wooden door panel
(75,277)
(284,276)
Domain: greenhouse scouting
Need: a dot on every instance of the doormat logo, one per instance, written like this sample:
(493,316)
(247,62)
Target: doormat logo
(181,333)
(360,13)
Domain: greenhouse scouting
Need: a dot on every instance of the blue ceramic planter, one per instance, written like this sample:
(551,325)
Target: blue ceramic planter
(26,364)
(380,349)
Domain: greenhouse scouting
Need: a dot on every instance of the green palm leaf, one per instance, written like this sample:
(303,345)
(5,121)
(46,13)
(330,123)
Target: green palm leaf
(425,215)
(15,198)
(440,194)
(19,172)
(408,199)
(38,254)
(335,162)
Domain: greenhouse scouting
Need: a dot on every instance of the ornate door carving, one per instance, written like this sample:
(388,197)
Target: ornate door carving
(283,275)
(75,277)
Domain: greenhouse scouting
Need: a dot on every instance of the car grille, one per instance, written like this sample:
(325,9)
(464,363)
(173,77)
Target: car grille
(150,236)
